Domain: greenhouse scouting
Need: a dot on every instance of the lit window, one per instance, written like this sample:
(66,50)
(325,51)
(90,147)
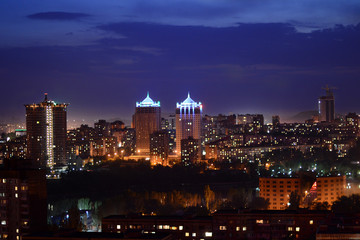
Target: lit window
(290,229)
(297,229)
(244,229)
(118,226)
(237,229)
(187,234)
(311,222)
(16,188)
(208,234)
(3,222)
(160,227)
(194,234)
(222,228)
(16,195)
(173,228)
(260,221)
(181,228)
(166,227)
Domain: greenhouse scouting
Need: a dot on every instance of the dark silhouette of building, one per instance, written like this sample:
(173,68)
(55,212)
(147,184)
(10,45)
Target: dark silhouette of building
(22,199)
(147,119)
(233,224)
(327,106)
(102,128)
(46,132)
(276,120)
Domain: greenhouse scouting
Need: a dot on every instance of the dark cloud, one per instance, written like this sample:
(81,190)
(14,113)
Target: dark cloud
(246,68)
(58,16)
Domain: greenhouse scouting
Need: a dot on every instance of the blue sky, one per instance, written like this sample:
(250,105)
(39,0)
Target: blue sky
(246,56)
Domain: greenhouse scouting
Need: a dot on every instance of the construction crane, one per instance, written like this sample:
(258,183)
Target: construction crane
(329,90)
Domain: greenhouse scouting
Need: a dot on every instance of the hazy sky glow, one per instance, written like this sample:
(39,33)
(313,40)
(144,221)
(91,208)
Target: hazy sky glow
(246,56)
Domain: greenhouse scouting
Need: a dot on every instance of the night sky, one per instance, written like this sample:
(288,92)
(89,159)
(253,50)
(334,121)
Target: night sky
(248,56)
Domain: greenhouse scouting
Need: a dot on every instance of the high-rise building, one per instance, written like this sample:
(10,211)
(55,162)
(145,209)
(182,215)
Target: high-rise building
(46,132)
(147,119)
(327,106)
(188,121)
(276,120)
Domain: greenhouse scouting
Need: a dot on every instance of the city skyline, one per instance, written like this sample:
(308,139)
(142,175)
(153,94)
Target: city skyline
(127,119)
(246,57)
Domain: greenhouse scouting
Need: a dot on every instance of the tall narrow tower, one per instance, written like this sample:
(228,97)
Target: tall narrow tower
(147,120)
(188,121)
(46,132)
(327,106)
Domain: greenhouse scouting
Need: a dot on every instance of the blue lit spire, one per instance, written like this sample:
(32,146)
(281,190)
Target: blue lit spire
(189,104)
(148,102)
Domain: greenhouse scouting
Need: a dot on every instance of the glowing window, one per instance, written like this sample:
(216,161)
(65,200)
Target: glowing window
(208,234)
(297,229)
(222,228)
(311,222)
(118,226)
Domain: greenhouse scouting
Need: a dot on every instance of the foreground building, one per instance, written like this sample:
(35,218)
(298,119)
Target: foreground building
(188,121)
(46,133)
(22,200)
(300,224)
(147,120)
(322,189)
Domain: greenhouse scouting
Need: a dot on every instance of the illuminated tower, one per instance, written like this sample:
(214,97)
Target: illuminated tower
(46,132)
(327,106)
(147,120)
(188,121)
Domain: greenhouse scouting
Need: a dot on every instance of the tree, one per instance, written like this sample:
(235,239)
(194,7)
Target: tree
(321,206)
(348,205)
(209,197)
(294,201)
(259,203)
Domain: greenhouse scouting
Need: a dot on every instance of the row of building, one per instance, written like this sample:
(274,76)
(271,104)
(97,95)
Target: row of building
(187,135)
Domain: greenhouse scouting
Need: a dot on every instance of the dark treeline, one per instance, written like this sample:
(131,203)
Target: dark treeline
(111,179)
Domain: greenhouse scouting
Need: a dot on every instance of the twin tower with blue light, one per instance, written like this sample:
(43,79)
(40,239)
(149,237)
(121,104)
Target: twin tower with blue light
(188,106)
(188,120)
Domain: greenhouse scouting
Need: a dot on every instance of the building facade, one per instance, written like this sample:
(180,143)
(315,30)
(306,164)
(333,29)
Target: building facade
(147,119)
(329,189)
(233,224)
(46,132)
(190,151)
(22,201)
(159,148)
(278,190)
(188,121)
